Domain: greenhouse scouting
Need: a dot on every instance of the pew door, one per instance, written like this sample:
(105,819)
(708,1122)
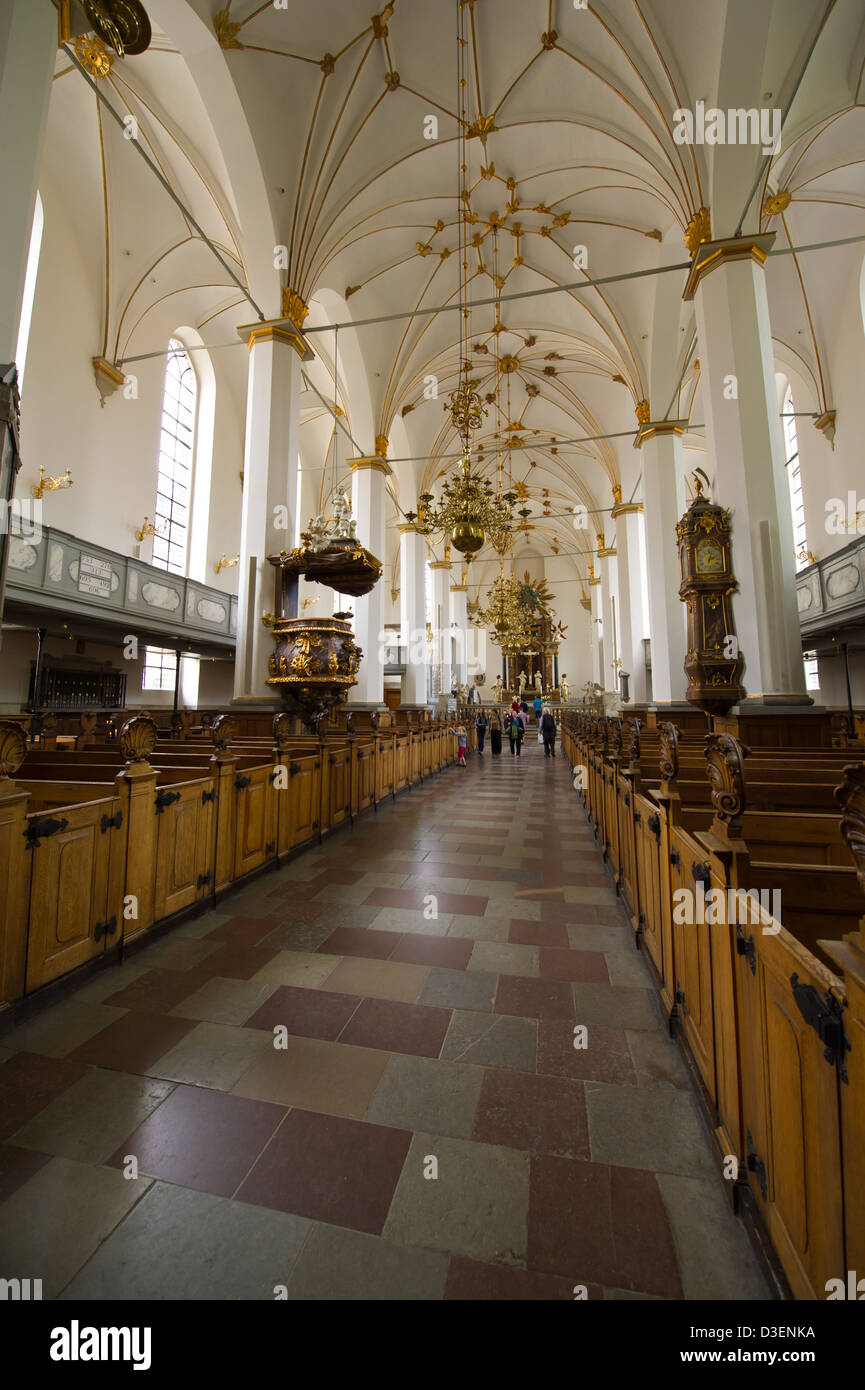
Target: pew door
(185,848)
(365,776)
(255,819)
(790,1109)
(76,888)
(339,777)
(384,768)
(650,919)
(305,792)
(692,956)
(401,757)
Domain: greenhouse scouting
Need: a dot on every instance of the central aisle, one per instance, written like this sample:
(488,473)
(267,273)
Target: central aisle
(427,1129)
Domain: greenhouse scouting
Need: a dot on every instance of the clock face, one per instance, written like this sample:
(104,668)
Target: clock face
(709,557)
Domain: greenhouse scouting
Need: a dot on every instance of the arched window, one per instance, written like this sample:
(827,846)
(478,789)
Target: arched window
(29,288)
(174,473)
(794,480)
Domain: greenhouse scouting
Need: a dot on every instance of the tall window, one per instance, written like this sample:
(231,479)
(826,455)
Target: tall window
(174,475)
(160,669)
(794,481)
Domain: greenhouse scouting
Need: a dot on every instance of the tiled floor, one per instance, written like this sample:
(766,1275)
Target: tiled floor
(359,1079)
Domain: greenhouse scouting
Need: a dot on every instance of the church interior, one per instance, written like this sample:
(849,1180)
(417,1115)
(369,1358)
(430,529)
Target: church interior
(432,665)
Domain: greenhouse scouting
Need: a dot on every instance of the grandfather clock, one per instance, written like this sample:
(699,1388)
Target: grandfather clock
(713,663)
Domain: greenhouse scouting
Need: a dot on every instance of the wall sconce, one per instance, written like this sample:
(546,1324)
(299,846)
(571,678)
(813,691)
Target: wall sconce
(223,563)
(268,619)
(309,602)
(48,484)
(147,528)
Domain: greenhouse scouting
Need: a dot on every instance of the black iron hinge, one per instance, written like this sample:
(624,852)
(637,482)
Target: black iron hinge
(638,819)
(627,798)
(331,758)
(204,879)
(680,997)
(701,873)
(675,858)
(105,928)
(112,822)
(208,795)
(315,825)
(654,823)
(293,769)
(164,799)
(240,781)
(745,947)
(269,848)
(41,828)
(316,765)
(826,1017)
(757,1165)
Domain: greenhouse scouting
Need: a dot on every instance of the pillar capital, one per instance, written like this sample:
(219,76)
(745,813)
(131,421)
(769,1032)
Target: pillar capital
(407,527)
(276,331)
(440,564)
(371,461)
(650,430)
(625,509)
(711,254)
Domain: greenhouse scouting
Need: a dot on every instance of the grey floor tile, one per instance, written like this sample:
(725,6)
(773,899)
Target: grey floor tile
(424,1093)
(225,1001)
(480,928)
(715,1258)
(57,1031)
(658,1061)
(90,1119)
(504,958)
(459,989)
(491,1040)
(340,1265)
(629,970)
(180,1244)
(214,1055)
(656,1130)
(108,981)
(407,919)
(54,1223)
(476,1206)
(587,937)
(618,1008)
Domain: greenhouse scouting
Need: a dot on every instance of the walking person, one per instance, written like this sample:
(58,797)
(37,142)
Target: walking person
(481,725)
(462,740)
(548,732)
(515,734)
(495,734)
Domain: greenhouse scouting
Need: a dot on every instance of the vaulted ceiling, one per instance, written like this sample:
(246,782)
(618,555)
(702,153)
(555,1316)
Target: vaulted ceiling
(573,174)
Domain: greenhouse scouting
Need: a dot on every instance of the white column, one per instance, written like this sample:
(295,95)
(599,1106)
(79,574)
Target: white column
(743,431)
(661,445)
(368,496)
(632,580)
(597,629)
(267,523)
(28,44)
(609,611)
(441,622)
(412,613)
(459,631)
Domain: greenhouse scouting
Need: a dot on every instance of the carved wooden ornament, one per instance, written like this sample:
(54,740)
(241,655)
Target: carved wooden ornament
(851,798)
(668,764)
(138,738)
(726,756)
(13,748)
(222,731)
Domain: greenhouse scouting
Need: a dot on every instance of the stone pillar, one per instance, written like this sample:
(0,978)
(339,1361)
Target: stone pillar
(412,613)
(660,441)
(368,498)
(632,580)
(597,626)
(728,286)
(459,631)
(28,44)
(441,649)
(609,611)
(268,521)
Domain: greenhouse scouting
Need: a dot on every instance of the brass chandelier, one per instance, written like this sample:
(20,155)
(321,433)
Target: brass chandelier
(470,510)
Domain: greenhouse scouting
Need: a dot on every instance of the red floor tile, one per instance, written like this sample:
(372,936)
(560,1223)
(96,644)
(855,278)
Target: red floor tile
(606,1056)
(239,962)
(28,1083)
(599,1224)
(584,967)
(330,1169)
(17,1166)
(417,1029)
(202,1139)
(463,903)
(524,997)
(242,931)
(469,1279)
(360,941)
(159,991)
(134,1043)
(525,933)
(308,1013)
(543,1114)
